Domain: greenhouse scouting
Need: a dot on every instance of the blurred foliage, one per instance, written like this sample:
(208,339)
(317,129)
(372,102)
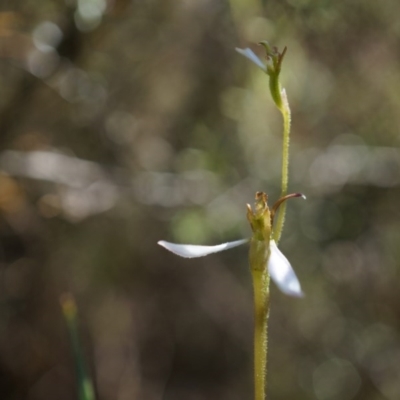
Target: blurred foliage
(125,122)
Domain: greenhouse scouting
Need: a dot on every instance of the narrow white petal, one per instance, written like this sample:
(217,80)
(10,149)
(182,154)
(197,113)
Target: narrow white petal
(248,53)
(282,273)
(192,251)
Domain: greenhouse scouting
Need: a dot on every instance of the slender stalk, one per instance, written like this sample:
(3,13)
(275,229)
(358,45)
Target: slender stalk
(85,386)
(261,312)
(285,110)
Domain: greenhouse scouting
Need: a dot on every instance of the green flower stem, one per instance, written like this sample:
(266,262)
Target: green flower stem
(285,110)
(261,312)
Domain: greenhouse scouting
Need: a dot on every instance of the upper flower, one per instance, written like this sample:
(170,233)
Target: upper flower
(274,58)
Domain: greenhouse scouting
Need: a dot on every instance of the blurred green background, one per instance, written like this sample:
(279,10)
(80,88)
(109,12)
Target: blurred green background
(123,122)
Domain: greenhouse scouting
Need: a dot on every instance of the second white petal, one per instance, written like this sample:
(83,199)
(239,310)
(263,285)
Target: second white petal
(282,273)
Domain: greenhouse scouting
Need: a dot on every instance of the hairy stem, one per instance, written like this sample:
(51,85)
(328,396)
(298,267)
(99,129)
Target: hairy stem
(285,110)
(261,311)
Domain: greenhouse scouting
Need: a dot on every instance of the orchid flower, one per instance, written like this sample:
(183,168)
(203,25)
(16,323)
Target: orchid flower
(264,252)
(274,58)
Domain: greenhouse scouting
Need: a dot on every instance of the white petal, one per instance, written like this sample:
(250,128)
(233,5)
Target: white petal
(248,53)
(192,251)
(282,273)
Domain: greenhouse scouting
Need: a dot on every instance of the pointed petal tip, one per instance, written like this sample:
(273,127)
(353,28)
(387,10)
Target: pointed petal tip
(299,295)
(292,292)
